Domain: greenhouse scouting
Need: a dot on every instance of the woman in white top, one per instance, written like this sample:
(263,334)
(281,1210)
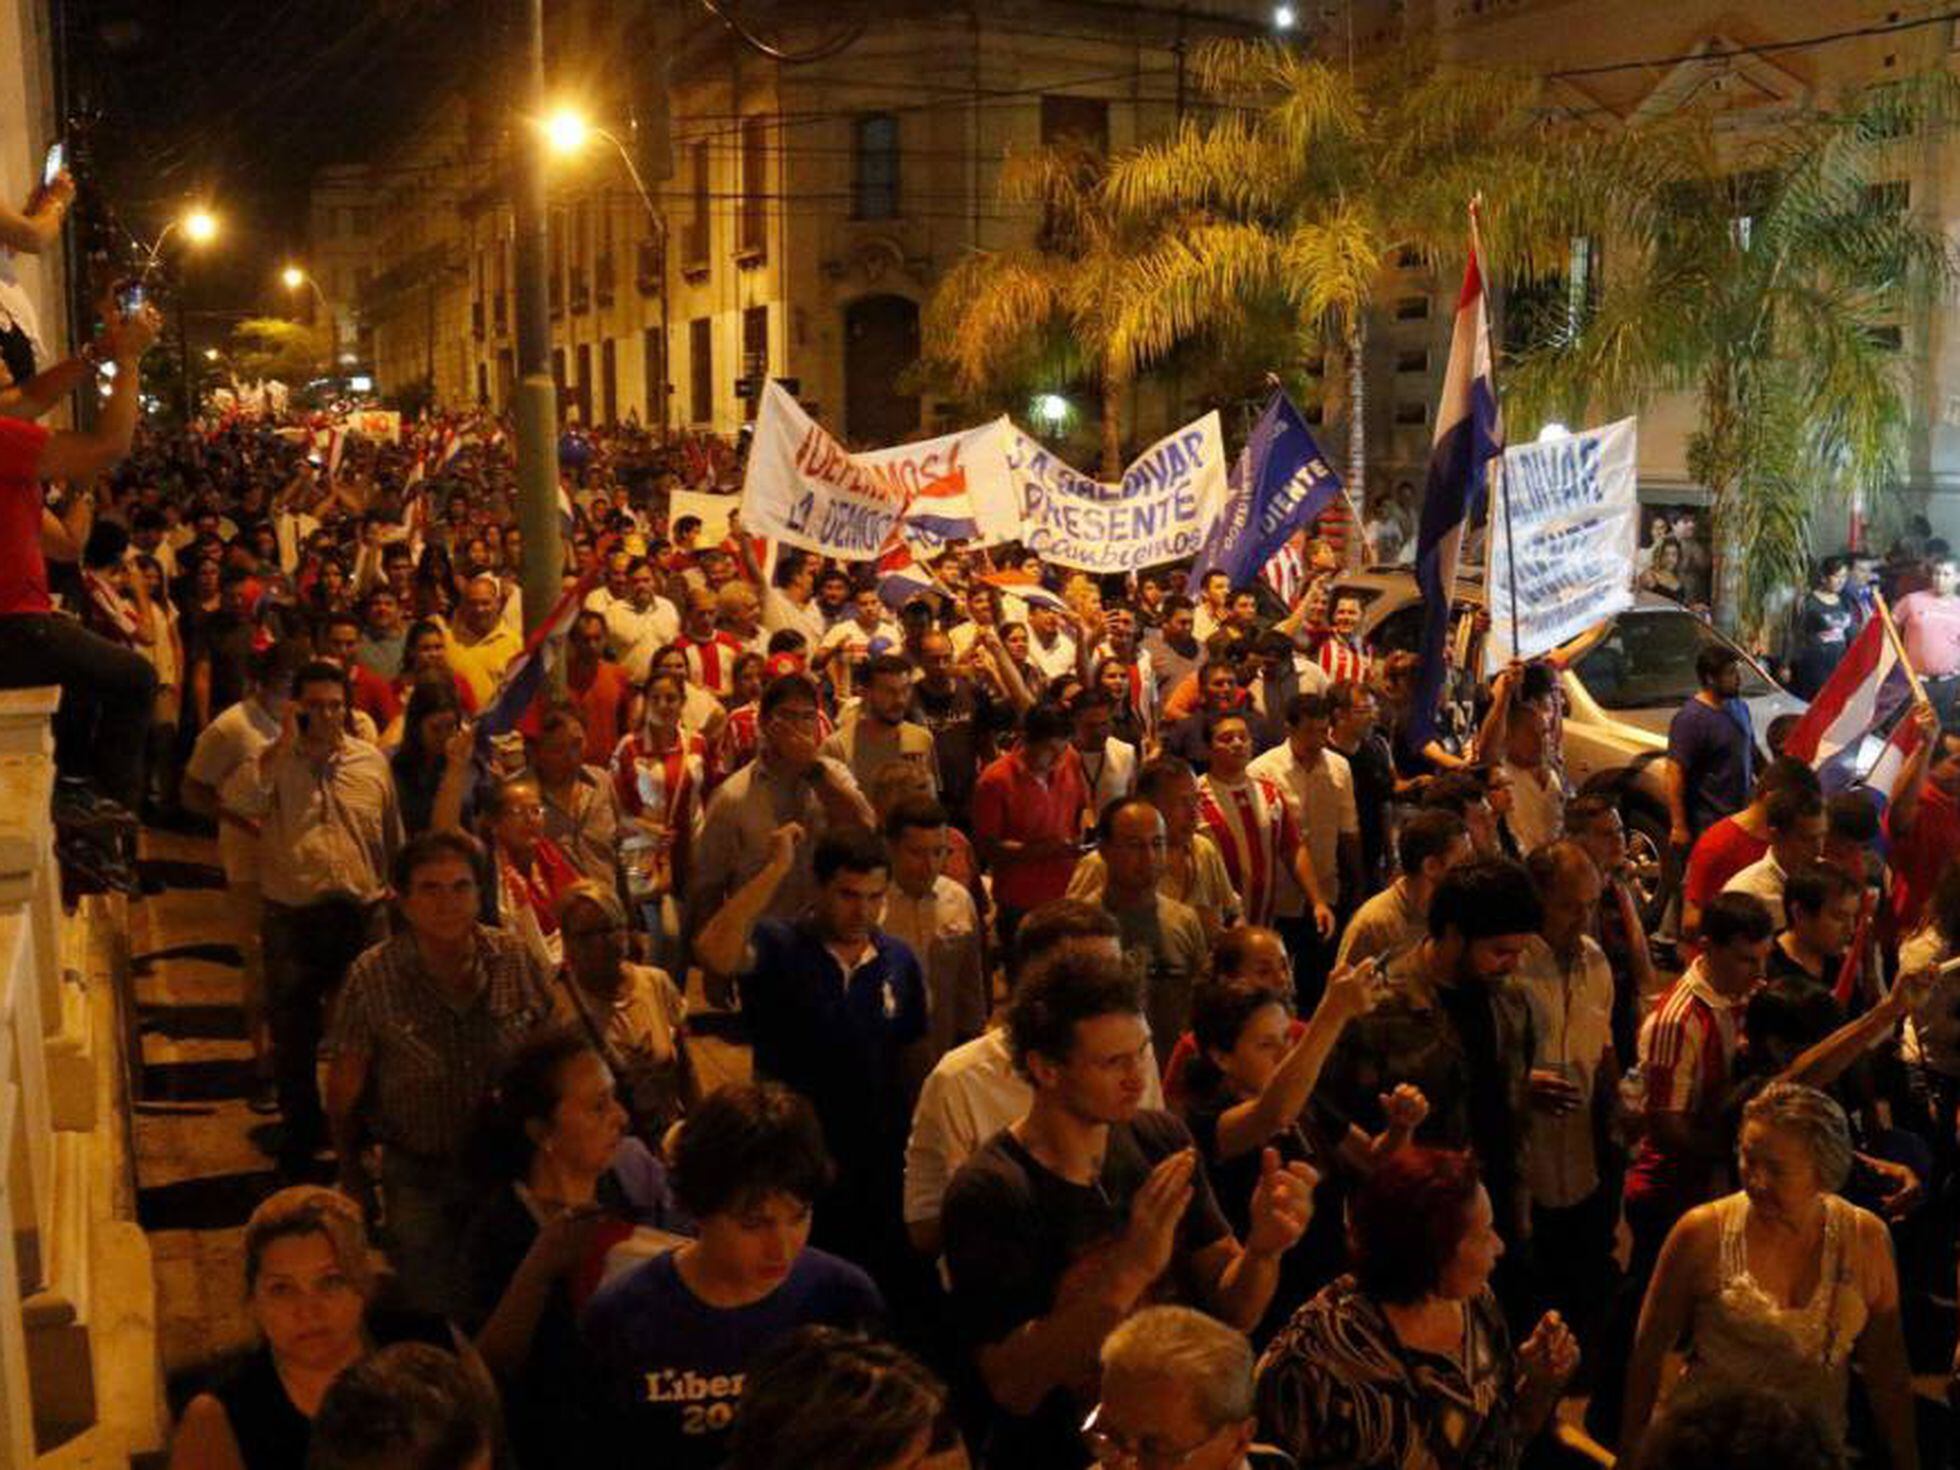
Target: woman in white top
(1781,1285)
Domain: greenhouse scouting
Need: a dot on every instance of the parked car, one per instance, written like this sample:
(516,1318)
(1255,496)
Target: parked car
(1630,677)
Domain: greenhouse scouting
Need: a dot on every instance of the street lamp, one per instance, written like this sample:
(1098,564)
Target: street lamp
(200,227)
(566,132)
(1284,18)
(293,278)
(1053,410)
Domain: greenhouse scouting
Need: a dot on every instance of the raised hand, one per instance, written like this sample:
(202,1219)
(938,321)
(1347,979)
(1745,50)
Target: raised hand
(1282,1205)
(1146,1245)
(1404,1108)
(1550,1355)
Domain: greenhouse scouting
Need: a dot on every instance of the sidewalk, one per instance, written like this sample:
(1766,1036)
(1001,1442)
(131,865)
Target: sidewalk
(203,1158)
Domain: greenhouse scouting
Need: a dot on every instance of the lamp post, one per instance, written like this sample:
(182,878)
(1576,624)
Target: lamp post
(567,131)
(537,395)
(200,227)
(292,277)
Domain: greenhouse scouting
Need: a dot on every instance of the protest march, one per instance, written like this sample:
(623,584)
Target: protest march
(776,948)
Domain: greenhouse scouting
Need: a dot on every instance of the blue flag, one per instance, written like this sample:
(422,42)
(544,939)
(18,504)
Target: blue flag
(1281,484)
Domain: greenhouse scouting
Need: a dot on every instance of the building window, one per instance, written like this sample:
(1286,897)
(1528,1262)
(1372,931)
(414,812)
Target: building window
(1412,309)
(609,381)
(1412,413)
(874,154)
(755,355)
(752,242)
(700,371)
(1080,120)
(696,235)
(1414,361)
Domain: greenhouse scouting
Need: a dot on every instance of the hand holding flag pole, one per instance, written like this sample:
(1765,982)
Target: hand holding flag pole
(1898,647)
(1498,485)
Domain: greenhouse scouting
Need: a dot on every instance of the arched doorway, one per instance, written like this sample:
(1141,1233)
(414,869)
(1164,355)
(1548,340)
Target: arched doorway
(881,340)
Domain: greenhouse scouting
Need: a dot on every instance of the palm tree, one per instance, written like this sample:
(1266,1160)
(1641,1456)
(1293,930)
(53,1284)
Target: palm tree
(1773,279)
(1062,307)
(1319,178)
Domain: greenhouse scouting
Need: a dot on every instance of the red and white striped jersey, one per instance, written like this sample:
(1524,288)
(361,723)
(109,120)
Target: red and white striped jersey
(711,663)
(1255,831)
(741,734)
(1340,660)
(668,785)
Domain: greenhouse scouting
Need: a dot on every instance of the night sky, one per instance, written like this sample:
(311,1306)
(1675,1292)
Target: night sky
(238,101)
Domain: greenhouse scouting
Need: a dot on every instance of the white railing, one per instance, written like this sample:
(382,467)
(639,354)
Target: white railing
(65,1346)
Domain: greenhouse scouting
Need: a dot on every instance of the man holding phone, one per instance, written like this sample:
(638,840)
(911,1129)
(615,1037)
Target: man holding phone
(104,722)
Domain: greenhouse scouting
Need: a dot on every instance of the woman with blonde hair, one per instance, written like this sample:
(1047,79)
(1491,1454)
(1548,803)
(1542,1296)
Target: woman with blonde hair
(308,1284)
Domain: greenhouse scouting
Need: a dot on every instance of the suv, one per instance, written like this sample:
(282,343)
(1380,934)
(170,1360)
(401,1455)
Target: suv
(1634,672)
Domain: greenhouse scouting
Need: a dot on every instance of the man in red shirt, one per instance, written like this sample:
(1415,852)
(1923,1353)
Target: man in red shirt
(597,686)
(1029,816)
(1924,825)
(107,690)
(1735,842)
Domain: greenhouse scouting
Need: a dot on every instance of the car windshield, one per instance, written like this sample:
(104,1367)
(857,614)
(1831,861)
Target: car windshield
(1647,660)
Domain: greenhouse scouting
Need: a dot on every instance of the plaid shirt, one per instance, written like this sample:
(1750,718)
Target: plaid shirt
(431,1059)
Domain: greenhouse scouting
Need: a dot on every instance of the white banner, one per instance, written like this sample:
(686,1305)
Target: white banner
(384,424)
(806,489)
(1575,513)
(1158,513)
(712,509)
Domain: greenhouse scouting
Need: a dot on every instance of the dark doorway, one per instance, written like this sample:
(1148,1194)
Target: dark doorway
(881,340)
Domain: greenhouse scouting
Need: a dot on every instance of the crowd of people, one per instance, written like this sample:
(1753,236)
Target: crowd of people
(1161,1056)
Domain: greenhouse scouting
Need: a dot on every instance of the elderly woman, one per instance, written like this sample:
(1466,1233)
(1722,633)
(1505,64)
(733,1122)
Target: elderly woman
(1782,1284)
(307,1284)
(1407,1361)
(632,1014)
(531,871)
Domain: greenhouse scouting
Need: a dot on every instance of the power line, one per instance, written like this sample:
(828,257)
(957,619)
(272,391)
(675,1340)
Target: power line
(1760,48)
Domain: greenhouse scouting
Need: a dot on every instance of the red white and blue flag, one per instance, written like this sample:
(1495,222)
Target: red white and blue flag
(1882,780)
(1469,435)
(1869,684)
(525,677)
(1028,589)
(901,578)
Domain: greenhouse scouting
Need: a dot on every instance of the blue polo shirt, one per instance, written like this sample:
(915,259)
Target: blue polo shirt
(837,1039)
(1715,747)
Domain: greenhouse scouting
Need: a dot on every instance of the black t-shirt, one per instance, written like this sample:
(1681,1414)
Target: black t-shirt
(1313,1139)
(1374,792)
(272,1434)
(961,720)
(1017,1234)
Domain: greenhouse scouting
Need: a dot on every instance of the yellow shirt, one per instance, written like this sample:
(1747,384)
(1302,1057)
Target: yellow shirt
(481,664)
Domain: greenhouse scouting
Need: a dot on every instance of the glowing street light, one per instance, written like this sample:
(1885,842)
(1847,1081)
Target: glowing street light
(210,354)
(567,131)
(1552,431)
(293,276)
(201,226)
(1052,409)
(1284,17)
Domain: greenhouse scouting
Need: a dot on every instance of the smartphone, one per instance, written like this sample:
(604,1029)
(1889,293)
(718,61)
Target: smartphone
(56,160)
(131,297)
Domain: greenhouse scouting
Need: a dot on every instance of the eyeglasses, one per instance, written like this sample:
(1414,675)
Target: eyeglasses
(1111,1448)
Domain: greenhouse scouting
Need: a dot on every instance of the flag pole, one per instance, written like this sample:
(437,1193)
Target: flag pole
(1497,478)
(1899,647)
